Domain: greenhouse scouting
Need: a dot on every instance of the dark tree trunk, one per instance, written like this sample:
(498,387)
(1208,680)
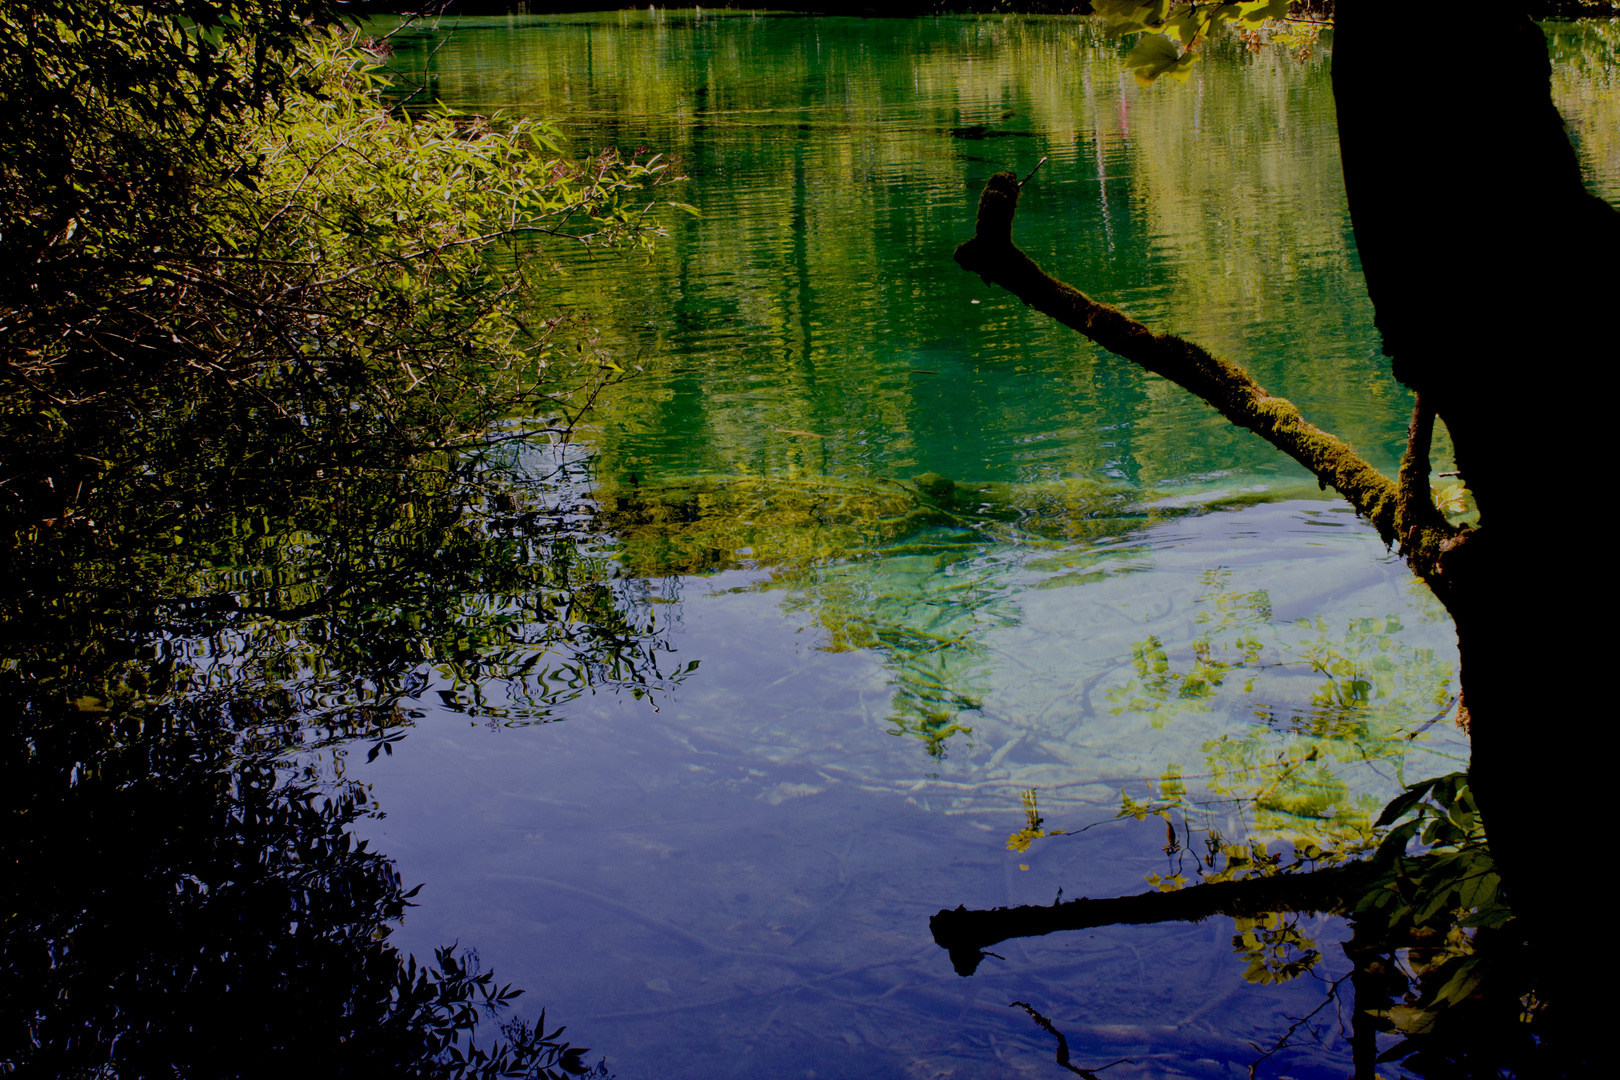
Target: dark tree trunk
(1493,275)
(1492,272)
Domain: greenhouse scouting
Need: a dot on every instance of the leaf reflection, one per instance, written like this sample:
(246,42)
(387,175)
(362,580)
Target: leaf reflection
(186,891)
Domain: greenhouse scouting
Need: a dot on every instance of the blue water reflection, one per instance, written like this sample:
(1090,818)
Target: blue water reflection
(735,877)
(740,881)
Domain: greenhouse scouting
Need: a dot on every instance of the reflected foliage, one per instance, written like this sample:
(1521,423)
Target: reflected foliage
(897,567)
(1438,963)
(1367,695)
(325,602)
(178,893)
(1441,968)
(1034,825)
(830,164)
(185,887)
(1586,89)
(258,503)
(178,905)
(1274,799)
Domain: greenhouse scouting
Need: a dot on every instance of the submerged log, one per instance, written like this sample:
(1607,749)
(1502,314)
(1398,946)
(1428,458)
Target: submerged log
(966,934)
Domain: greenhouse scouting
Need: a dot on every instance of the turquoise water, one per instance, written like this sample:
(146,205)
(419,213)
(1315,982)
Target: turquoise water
(937,559)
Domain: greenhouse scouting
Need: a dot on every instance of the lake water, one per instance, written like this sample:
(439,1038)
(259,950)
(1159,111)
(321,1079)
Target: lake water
(870,594)
(734,877)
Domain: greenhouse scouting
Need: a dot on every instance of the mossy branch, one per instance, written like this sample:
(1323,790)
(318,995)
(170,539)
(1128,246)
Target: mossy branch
(1425,534)
(992,255)
(967,933)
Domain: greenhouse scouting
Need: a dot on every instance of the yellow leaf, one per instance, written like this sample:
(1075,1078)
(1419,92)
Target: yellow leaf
(1451,499)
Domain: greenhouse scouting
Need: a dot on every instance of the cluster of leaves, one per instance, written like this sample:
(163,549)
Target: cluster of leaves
(234,223)
(1272,945)
(250,321)
(1441,960)
(1164,692)
(1438,895)
(1174,32)
(1273,948)
(1278,777)
(243,304)
(1034,826)
(1589,45)
(323,605)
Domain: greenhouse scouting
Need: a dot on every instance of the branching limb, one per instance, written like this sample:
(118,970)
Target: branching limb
(992,255)
(1331,999)
(1423,530)
(1417,503)
(967,933)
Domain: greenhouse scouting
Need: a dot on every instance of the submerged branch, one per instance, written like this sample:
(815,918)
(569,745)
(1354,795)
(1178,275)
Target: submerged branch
(992,255)
(967,933)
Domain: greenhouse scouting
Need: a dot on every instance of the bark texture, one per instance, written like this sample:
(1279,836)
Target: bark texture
(994,257)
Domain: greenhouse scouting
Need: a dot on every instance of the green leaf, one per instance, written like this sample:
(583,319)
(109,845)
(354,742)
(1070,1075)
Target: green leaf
(1128,16)
(1403,805)
(1462,983)
(1156,55)
(1255,12)
(1479,890)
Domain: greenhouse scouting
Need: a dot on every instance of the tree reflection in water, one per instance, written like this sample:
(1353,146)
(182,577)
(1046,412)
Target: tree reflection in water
(182,664)
(176,908)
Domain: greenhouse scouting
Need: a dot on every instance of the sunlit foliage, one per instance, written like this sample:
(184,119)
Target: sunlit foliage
(256,345)
(1168,23)
(236,222)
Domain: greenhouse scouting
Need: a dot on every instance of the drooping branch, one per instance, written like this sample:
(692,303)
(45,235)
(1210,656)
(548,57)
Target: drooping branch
(1425,535)
(967,933)
(992,255)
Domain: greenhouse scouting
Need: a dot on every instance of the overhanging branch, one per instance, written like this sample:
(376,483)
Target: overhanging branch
(992,255)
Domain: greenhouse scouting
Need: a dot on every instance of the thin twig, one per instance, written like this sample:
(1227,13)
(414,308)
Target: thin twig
(1063,1044)
(1332,996)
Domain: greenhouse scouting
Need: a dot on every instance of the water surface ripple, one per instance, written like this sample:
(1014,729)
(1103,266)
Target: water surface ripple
(939,561)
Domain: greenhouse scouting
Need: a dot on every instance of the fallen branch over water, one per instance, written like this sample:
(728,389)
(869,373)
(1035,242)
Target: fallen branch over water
(992,255)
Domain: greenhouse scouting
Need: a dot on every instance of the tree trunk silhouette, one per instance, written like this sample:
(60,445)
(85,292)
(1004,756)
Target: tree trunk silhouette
(1492,273)
(1491,269)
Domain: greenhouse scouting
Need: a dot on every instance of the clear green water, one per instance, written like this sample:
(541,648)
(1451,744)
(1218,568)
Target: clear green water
(734,878)
(817,293)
